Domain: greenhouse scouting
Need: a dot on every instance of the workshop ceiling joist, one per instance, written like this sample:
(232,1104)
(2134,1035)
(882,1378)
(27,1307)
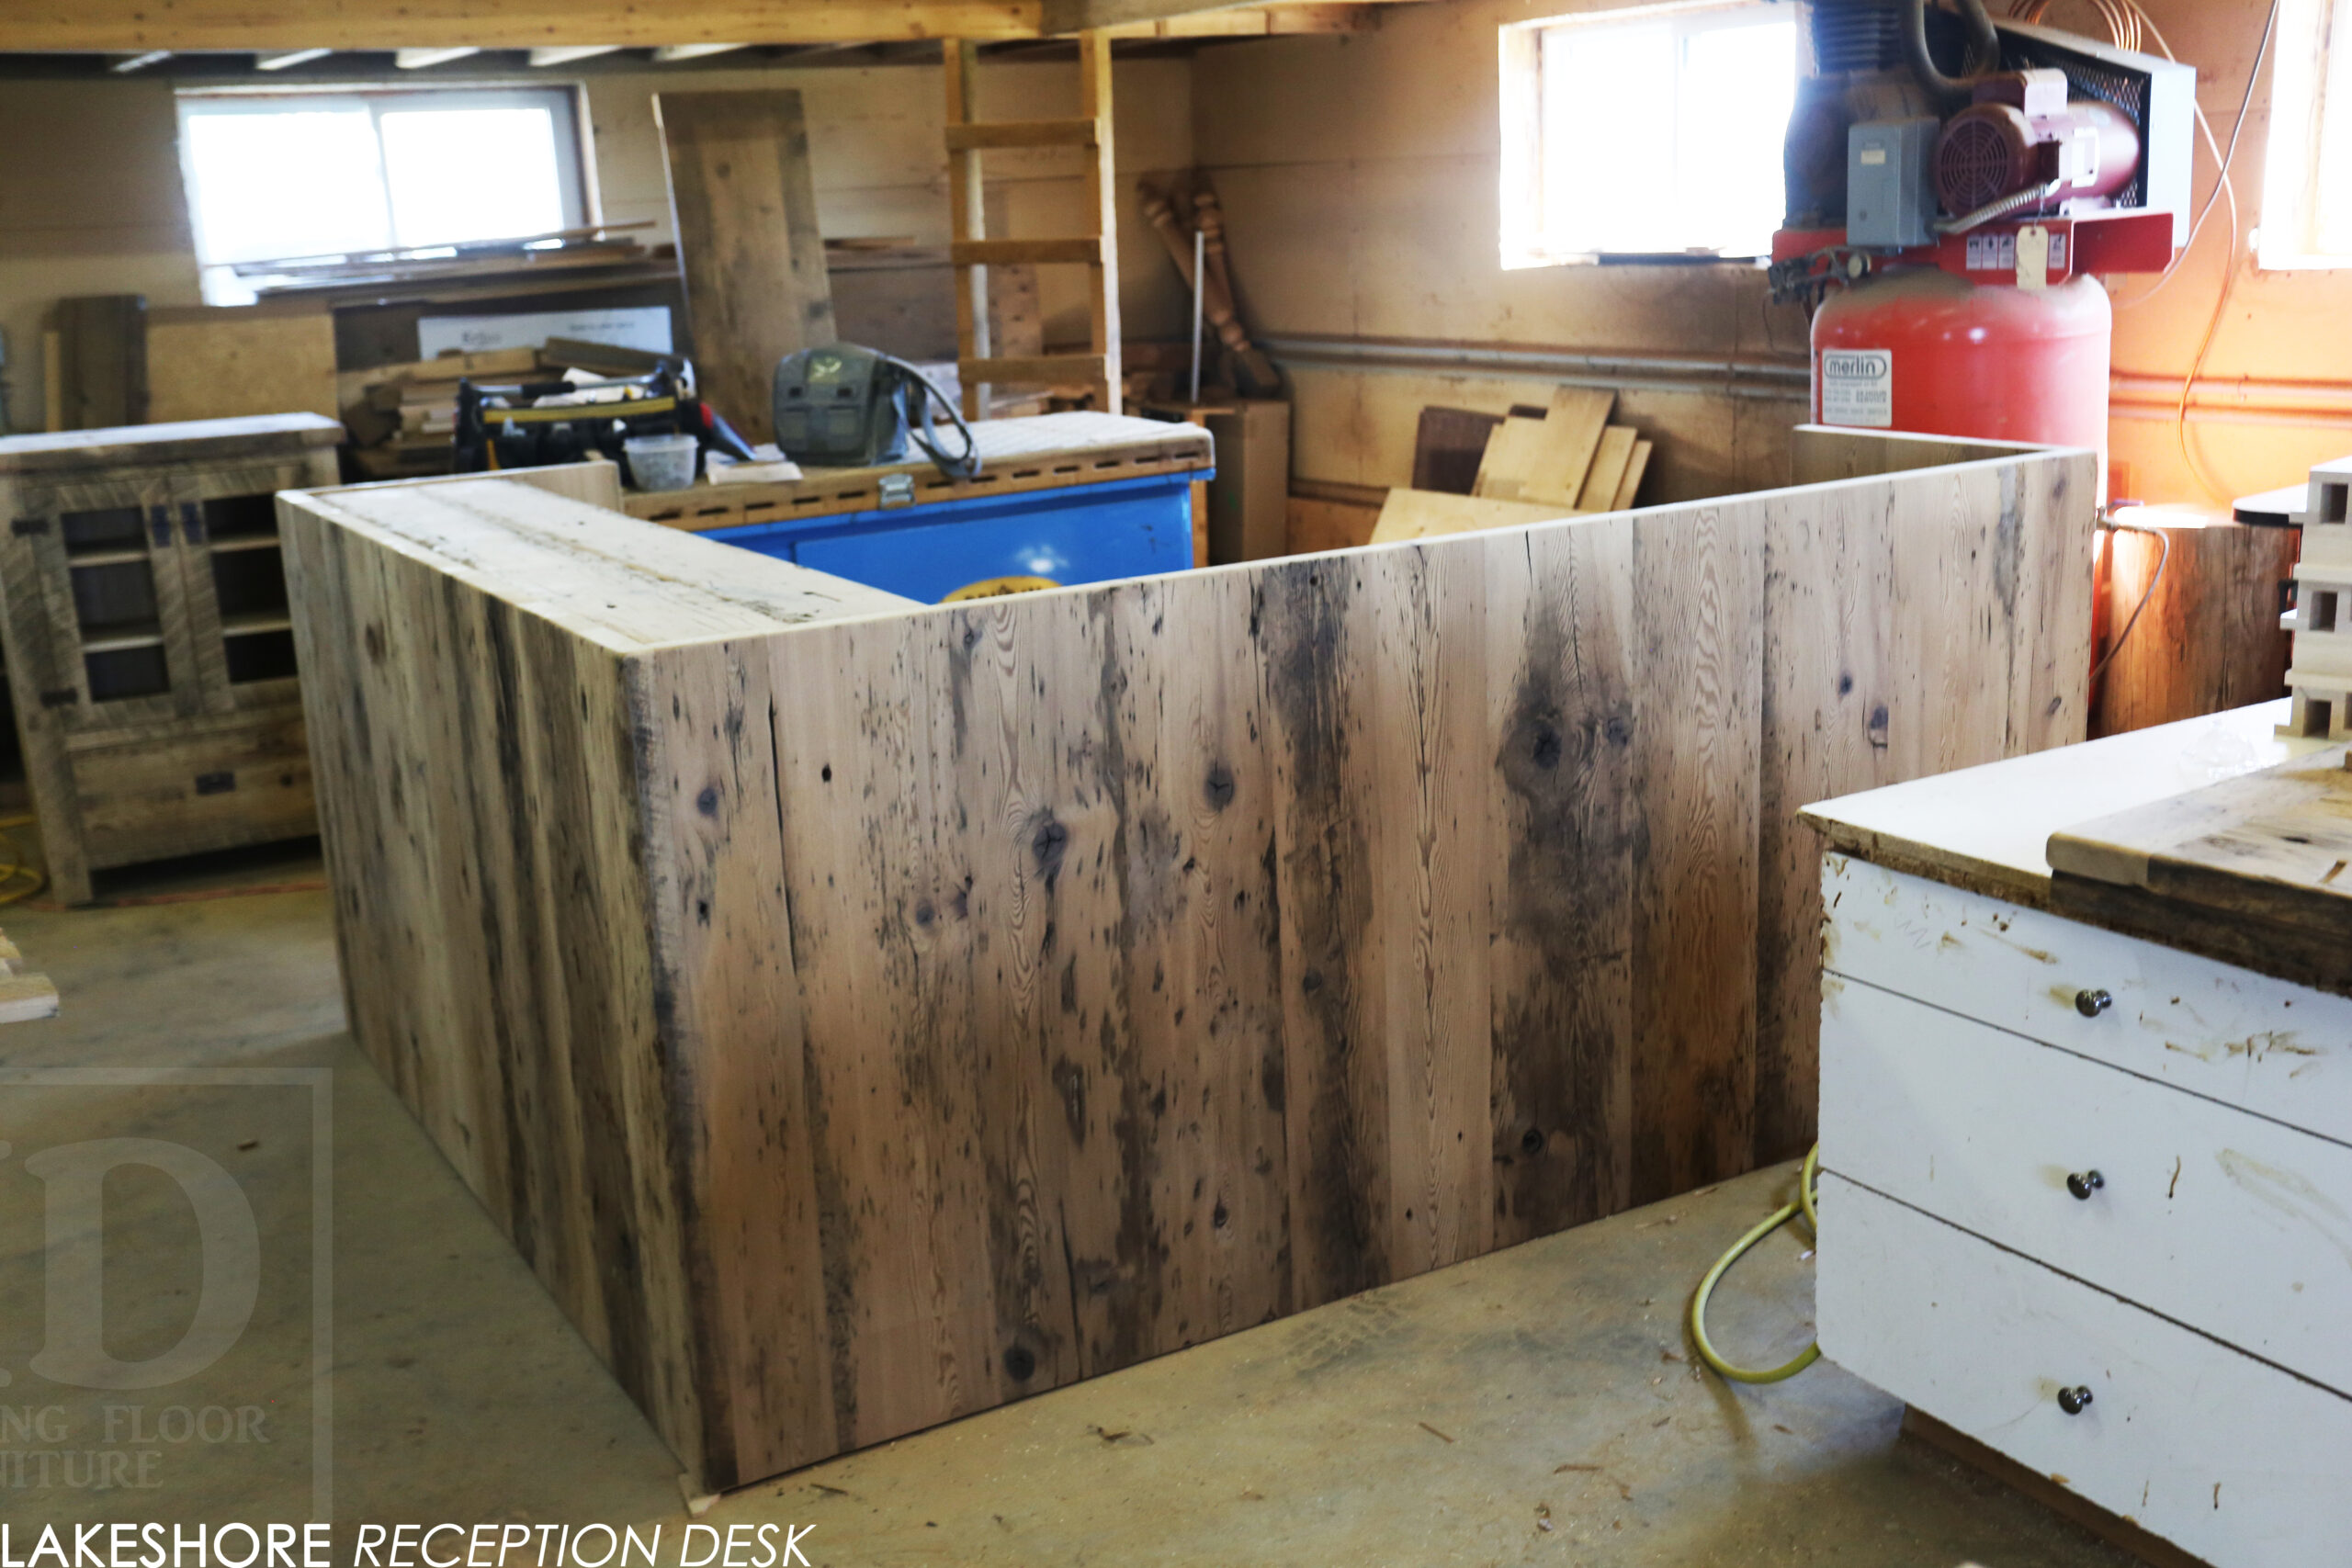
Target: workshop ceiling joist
(138,26)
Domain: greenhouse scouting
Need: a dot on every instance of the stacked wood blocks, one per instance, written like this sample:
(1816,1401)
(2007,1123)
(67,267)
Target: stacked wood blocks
(1569,461)
(893,1012)
(2320,675)
(403,417)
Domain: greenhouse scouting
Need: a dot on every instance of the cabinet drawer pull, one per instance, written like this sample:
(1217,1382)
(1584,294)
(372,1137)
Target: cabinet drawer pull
(2090,1004)
(2083,1184)
(2074,1401)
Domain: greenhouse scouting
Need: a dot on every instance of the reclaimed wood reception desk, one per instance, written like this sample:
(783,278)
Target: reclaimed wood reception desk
(862,1014)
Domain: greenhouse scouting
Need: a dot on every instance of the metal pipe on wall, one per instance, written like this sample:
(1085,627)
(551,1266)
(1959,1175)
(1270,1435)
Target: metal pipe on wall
(1775,381)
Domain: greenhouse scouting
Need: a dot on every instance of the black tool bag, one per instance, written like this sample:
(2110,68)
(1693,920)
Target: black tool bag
(537,424)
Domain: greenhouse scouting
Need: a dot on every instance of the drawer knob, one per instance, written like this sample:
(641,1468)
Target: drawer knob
(2083,1184)
(2074,1401)
(2090,1004)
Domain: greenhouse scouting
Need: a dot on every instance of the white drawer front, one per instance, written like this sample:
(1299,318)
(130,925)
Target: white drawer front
(2229,1223)
(2234,1461)
(2281,1050)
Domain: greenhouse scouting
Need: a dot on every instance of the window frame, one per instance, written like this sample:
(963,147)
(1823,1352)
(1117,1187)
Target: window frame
(575,165)
(1522,227)
(2313,34)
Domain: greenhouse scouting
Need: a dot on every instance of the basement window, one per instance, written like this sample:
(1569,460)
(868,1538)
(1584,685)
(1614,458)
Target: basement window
(1654,132)
(2307,178)
(317,182)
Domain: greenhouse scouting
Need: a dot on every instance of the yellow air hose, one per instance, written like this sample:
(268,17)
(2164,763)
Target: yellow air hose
(1806,1181)
(18,881)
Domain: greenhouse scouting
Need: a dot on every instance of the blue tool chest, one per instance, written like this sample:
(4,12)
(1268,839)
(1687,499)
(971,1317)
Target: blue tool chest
(1083,533)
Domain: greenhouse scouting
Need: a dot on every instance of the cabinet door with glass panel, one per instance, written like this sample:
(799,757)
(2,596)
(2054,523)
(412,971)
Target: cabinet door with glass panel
(149,642)
(97,614)
(139,599)
(240,625)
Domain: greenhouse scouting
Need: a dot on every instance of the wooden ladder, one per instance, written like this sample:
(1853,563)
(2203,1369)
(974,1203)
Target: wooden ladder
(973,253)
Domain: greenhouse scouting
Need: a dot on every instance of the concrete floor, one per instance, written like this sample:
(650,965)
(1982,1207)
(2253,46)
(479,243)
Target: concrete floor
(1535,1406)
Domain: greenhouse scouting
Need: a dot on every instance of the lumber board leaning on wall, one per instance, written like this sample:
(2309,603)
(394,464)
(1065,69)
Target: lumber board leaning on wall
(869,1014)
(743,206)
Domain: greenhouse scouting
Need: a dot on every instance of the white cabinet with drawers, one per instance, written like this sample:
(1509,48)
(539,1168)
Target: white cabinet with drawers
(2086,1199)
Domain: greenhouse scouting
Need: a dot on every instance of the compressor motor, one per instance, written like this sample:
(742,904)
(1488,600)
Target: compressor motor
(1953,184)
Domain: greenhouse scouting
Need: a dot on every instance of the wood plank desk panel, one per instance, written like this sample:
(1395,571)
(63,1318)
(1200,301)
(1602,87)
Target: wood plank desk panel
(865,1014)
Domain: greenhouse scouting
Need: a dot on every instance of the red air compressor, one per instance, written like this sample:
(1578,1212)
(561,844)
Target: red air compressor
(1953,185)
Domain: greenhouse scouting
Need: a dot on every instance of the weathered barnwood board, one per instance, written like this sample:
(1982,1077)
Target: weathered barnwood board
(862,1014)
(549,809)
(1910,630)
(743,204)
(2249,870)
(2208,638)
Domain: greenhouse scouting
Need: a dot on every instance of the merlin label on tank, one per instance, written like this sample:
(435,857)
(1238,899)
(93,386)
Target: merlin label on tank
(1858,387)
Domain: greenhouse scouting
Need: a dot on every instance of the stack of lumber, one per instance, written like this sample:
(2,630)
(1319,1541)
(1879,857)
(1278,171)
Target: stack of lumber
(402,416)
(1565,461)
(557,251)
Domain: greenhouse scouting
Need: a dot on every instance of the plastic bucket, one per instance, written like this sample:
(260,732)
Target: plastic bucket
(660,462)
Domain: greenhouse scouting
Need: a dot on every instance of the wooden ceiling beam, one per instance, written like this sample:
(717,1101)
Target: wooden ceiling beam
(1271,21)
(575,28)
(1202,19)
(271,26)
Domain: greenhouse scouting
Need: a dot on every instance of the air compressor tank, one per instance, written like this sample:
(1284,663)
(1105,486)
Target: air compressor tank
(1919,349)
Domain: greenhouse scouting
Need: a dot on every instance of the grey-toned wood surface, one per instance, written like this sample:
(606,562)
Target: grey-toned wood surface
(2252,869)
(201,440)
(1912,628)
(101,361)
(1821,453)
(862,1015)
(209,761)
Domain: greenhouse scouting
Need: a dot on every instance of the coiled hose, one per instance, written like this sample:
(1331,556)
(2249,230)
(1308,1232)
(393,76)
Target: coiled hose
(20,879)
(1807,1180)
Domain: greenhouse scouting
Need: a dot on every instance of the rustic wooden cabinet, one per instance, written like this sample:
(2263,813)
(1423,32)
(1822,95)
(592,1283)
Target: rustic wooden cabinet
(148,638)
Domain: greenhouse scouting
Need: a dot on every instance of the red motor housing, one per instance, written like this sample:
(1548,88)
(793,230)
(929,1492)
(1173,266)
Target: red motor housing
(1917,349)
(2021,134)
